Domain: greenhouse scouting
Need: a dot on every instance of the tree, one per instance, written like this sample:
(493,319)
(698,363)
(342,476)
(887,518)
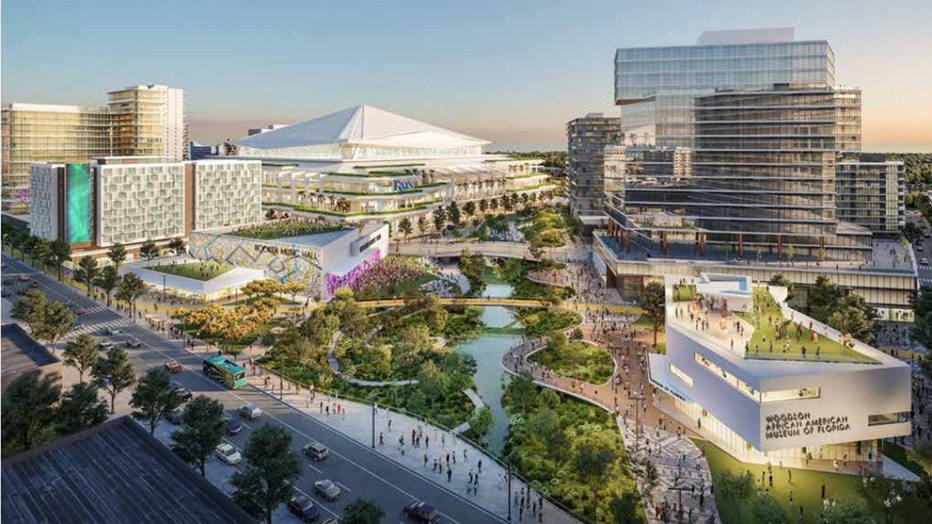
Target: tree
(87,272)
(780,280)
(522,391)
(81,408)
(61,253)
(203,430)
(57,322)
(154,398)
(453,212)
(176,245)
(130,288)
(853,321)
(362,511)
(432,381)
(654,306)
(921,453)
(43,253)
(28,248)
(921,330)
(270,474)
(546,424)
(624,509)
(593,456)
(149,250)
(483,206)
(470,208)
(422,224)
(822,298)
(766,510)
(117,254)
(114,373)
(405,227)
(440,218)
(108,280)
(31,309)
(848,510)
(81,353)
(27,411)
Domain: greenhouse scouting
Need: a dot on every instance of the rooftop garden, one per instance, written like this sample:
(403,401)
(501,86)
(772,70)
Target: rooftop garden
(684,292)
(776,337)
(284,229)
(194,270)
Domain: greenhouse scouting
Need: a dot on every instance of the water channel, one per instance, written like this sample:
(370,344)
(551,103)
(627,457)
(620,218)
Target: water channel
(490,378)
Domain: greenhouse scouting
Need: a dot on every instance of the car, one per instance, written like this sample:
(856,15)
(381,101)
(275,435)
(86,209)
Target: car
(172,366)
(79,311)
(33,284)
(234,427)
(920,248)
(23,278)
(175,416)
(105,345)
(134,343)
(327,489)
(421,511)
(6,293)
(185,392)
(228,454)
(316,450)
(924,261)
(111,331)
(249,411)
(303,508)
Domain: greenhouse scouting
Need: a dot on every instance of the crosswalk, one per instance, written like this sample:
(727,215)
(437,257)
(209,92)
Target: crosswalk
(97,328)
(925,282)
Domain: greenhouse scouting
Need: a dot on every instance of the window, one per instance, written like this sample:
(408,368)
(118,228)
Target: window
(681,375)
(888,418)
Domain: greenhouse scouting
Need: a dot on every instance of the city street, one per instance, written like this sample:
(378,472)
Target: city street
(358,470)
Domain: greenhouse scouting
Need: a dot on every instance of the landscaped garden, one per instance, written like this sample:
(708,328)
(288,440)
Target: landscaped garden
(207,270)
(575,359)
(737,501)
(571,451)
(285,229)
(779,338)
(515,272)
(540,321)
(548,226)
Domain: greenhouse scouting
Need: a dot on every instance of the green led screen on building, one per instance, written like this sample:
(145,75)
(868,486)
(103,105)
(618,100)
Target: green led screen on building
(78,201)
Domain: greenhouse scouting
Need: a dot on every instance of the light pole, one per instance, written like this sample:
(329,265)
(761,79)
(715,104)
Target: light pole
(637,420)
(374,409)
(509,492)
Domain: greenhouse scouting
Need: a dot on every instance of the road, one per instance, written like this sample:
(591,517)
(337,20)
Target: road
(360,471)
(923,248)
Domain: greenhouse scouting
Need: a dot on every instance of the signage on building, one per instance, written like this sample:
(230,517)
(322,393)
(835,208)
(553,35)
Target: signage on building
(794,424)
(401,185)
(308,254)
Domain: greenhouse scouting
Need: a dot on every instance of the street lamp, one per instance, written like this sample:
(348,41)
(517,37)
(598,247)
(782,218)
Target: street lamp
(637,419)
(375,408)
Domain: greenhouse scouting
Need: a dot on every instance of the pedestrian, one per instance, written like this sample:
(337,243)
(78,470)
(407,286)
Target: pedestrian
(449,474)
(823,491)
(427,441)
(480,465)
(381,439)
(425,460)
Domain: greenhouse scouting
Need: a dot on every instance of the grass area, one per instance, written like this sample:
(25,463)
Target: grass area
(542,321)
(806,487)
(490,276)
(284,229)
(898,454)
(194,270)
(575,358)
(685,293)
(767,341)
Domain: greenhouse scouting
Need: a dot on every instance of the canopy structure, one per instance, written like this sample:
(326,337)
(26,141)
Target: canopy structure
(360,133)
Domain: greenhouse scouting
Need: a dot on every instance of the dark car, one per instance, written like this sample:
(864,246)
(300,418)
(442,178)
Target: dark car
(421,511)
(234,427)
(185,392)
(175,416)
(6,293)
(304,508)
(135,343)
(34,284)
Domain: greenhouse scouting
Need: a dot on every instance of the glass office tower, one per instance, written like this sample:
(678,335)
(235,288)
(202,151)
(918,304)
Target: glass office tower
(731,152)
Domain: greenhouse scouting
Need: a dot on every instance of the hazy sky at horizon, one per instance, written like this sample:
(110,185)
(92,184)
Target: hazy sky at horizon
(509,71)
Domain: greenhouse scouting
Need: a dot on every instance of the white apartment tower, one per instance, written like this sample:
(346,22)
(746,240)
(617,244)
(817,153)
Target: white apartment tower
(148,120)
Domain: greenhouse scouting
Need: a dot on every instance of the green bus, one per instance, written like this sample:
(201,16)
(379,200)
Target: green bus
(227,373)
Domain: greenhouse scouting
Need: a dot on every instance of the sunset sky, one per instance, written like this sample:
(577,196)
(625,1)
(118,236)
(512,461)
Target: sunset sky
(509,71)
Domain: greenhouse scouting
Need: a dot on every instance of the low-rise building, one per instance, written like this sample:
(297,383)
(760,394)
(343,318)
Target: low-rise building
(768,384)
(22,354)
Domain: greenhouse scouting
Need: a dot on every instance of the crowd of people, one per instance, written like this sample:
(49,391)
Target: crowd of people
(386,274)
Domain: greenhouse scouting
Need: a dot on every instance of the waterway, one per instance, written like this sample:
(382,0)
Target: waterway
(490,378)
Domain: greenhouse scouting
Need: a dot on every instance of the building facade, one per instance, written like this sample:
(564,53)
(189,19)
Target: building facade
(148,121)
(762,399)
(47,133)
(871,193)
(586,141)
(129,200)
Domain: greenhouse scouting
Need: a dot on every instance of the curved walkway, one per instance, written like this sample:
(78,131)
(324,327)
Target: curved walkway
(571,252)
(682,491)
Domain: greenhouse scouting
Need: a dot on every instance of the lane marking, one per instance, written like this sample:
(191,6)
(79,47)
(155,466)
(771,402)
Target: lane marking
(315,469)
(344,488)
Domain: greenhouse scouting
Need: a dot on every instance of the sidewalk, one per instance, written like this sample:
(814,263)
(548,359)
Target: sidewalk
(393,439)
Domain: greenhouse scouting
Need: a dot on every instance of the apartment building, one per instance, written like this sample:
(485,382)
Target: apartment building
(586,140)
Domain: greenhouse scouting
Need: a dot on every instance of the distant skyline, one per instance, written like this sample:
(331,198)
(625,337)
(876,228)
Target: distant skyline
(511,72)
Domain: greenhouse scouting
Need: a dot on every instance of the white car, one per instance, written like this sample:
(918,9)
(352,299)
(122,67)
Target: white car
(228,454)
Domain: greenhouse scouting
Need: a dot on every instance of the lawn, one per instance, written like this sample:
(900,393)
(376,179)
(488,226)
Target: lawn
(806,487)
(575,358)
(765,343)
(898,454)
(685,293)
(194,270)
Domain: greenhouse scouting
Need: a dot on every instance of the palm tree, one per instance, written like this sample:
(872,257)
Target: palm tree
(176,245)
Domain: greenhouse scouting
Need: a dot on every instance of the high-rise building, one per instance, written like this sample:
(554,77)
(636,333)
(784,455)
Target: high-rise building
(871,192)
(137,121)
(46,132)
(148,121)
(129,200)
(731,154)
(586,140)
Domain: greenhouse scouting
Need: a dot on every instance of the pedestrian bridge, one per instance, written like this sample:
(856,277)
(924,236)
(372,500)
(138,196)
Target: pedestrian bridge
(488,249)
(513,302)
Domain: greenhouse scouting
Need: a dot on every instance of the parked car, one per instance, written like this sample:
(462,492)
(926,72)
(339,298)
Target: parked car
(316,450)
(304,508)
(175,416)
(79,311)
(134,343)
(6,293)
(924,261)
(23,278)
(228,454)
(421,511)
(105,345)
(249,411)
(173,366)
(34,284)
(109,332)
(185,392)
(327,489)
(234,427)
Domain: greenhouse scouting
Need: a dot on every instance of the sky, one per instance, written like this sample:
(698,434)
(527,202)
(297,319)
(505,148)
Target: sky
(513,72)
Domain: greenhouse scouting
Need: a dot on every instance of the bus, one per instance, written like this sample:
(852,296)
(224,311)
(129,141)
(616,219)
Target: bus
(222,370)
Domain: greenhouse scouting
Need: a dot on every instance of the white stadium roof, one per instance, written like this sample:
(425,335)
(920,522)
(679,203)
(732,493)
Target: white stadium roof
(361,125)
